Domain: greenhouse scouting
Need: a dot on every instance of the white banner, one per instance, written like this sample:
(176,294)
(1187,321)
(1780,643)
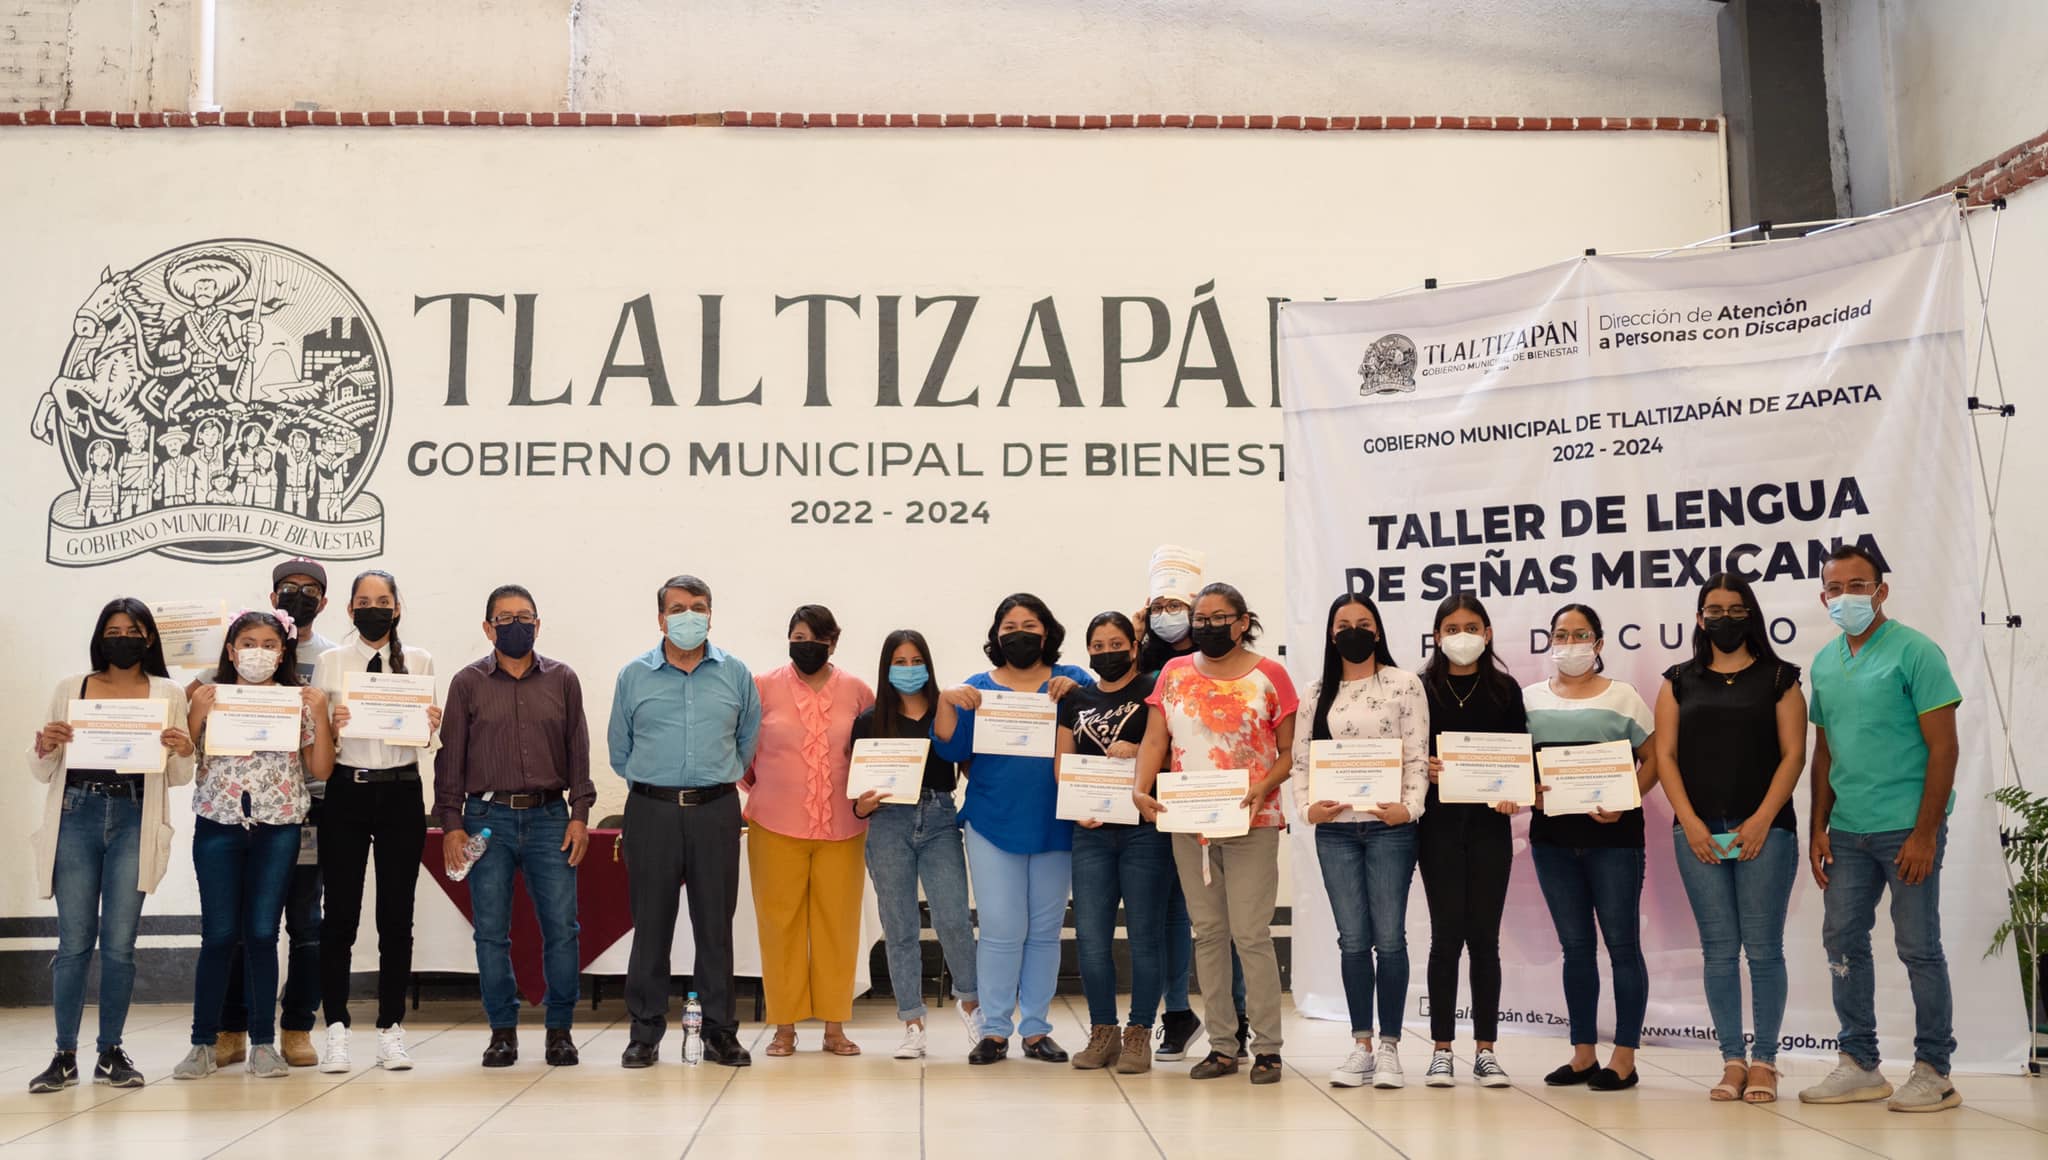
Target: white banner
(1612,431)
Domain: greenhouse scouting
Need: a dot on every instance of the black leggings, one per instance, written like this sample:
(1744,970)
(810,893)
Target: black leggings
(1467,852)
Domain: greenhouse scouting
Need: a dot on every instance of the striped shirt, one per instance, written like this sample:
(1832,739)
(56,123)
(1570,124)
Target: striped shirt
(506,734)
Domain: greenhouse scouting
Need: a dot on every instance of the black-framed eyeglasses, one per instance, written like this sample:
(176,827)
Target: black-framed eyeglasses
(313,590)
(514,618)
(1738,613)
(1216,621)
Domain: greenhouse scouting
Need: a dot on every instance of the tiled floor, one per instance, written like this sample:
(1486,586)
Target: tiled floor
(815,1105)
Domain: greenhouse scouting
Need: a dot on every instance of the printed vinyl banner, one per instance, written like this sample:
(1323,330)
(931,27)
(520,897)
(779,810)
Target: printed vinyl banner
(1612,431)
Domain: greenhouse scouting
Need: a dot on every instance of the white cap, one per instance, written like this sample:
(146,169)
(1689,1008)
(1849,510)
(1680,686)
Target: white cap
(1176,573)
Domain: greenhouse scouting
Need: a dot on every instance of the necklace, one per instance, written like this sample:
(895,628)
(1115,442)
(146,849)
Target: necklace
(1469,693)
(1728,678)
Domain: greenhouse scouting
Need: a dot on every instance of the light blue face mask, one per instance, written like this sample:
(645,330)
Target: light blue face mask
(687,630)
(909,678)
(1852,613)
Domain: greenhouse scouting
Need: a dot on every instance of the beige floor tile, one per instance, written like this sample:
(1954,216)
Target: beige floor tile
(2030,1113)
(1840,1119)
(151,1128)
(1947,1145)
(38,1148)
(800,1118)
(1356,1144)
(1451,1115)
(847,1146)
(1482,1144)
(323,1119)
(359,1095)
(1064,1116)
(1691,1144)
(680,1117)
(610,1146)
(986,1145)
(366,1141)
(14,1125)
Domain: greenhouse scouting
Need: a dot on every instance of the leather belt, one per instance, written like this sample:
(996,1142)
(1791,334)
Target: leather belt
(520,801)
(697,796)
(410,771)
(113,785)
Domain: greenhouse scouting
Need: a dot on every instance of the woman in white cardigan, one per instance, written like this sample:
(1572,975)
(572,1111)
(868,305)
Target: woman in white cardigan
(105,839)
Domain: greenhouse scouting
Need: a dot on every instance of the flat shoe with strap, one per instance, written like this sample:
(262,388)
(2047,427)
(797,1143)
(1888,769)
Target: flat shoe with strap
(1725,1092)
(1044,1050)
(782,1045)
(842,1046)
(1763,1084)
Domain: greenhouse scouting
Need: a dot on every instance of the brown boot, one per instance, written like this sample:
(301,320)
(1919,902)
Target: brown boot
(230,1047)
(298,1048)
(1137,1051)
(1102,1050)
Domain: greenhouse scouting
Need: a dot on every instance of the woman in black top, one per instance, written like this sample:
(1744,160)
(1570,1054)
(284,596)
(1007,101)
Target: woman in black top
(1731,743)
(908,844)
(1467,851)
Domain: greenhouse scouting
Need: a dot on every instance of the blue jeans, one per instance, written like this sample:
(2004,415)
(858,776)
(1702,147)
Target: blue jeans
(1582,886)
(528,842)
(1862,870)
(1180,955)
(98,859)
(921,843)
(1022,901)
(1367,867)
(1134,864)
(299,1005)
(243,877)
(1740,908)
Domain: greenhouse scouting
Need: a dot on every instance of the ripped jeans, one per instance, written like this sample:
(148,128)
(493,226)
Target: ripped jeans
(1861,872)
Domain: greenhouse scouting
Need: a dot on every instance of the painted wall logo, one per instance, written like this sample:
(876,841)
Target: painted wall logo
(221,402)
(1388,367)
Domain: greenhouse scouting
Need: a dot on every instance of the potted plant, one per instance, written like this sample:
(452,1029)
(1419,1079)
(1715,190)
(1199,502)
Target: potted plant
(2024,841)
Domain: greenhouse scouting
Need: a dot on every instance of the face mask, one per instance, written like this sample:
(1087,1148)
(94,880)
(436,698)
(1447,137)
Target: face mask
(1215,641)
(515,640)
(808,655)
(1171,627)
(1110,666)
(1022,650)
(909,679)
(1462,649)
(1727,634)
(255,665)
(1573,660)
(373,623)
(687,630)
(1851,613)
(1356,645)
(123,652)
(299,606)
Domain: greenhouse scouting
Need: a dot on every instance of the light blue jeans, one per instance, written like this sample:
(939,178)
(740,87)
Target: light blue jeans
(98,858)
(910,844)
(1860,874)
(1740,908)
(528,842)
(1021,900)
(1367,868)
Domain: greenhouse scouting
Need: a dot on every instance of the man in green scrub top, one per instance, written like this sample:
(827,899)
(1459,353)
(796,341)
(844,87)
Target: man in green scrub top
(1884,771)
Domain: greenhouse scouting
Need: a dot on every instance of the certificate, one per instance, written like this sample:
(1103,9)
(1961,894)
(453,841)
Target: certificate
(1360,773)
(1578,779)
(1098,788)
(1209,802)
(388,707)
(1484,768)
(1176,572)
(1017,724)
(894,765)
(191,631)
(124,735)
(248,719)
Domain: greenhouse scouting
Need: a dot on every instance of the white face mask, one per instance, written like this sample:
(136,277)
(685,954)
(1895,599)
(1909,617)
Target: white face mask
(1171,627)
(255,665)
(1573,660)
(1463,648)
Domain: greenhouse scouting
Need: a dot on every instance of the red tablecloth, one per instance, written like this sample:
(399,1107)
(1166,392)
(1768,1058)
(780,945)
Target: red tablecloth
(601,907)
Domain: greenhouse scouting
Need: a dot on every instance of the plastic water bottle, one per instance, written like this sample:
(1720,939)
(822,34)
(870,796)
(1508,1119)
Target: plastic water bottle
(693,1030)
(471,851)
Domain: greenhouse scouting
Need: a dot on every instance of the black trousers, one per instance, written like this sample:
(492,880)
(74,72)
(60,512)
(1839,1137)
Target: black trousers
(695,850)
(1466,854)
(387,820)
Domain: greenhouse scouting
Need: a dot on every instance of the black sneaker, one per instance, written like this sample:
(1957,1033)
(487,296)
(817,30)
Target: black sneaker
(1244,1038)
(62,1073)
(116,1069)
(1175,1029)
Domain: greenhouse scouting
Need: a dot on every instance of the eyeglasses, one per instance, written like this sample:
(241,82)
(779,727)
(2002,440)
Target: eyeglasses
(1216,621)
(290,589)
(134,631)
(1737,614)
(1854,588)
(517,618)
(1572,636)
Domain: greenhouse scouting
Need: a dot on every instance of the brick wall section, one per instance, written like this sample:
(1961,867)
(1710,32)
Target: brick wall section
(293,118)
(2003,175)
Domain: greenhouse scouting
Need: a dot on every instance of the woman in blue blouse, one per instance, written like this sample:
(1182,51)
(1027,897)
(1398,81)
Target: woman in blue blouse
(1020,855)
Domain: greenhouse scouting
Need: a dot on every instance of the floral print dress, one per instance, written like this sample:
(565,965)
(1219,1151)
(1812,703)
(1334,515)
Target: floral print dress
(274,782)
(1235,724)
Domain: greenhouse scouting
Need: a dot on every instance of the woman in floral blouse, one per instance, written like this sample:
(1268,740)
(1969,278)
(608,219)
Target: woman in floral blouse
(245,839)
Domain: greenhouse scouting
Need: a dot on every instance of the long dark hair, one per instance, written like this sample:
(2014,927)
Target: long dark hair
(1055,632)
(1494,679)
(137,611)
(888,702)
(1592,618)
(1333,662)
(287,662)
(396,663)
(1755,634)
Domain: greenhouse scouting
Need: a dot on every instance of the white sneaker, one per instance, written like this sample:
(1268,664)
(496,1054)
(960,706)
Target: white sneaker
(1926,1090)
(197,1064)
(1442,1071)
(1488,1071)
(912,1046)
(1386,1069)
(1356,1070)
(1849,1083)
(334,1061)
(391,1054)
(973,1021)
(266,1063)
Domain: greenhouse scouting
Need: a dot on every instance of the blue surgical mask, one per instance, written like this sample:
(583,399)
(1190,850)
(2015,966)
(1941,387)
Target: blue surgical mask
(687,630)
(909,678)
(1851,613)
(1171,627)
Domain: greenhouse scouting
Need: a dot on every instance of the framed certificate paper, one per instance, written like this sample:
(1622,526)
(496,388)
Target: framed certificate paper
(1017,724)
(1097,788)
(251,718)
(1209,802)
(1360,773)
(388,707)
(191,631)
(894,765)
(1578,779)
(123,735)
(1484,768)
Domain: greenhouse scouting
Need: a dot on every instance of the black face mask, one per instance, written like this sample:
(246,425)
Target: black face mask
(123,652)
(1356,645)
(1214,640)
(1727,634)
(300,607)
(1021,650)
(373,623)
(515,640)
(1110,666)
(808,655)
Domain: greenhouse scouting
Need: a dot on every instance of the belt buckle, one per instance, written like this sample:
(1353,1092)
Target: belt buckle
(356,776)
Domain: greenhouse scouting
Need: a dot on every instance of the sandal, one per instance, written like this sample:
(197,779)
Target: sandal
(841,1046)
(1763,1084)
(782,1044)
(1726,1092)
